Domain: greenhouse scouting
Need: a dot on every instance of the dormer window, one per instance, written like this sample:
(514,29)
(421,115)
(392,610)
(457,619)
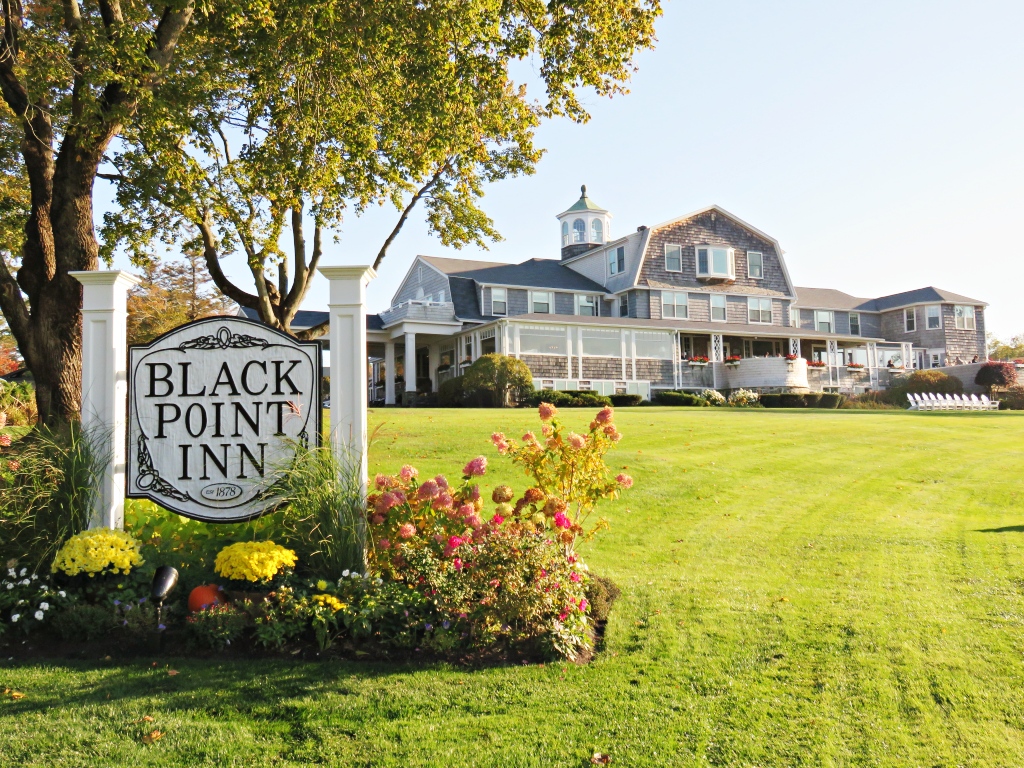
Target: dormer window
(755,265)
(499,301)
(596,231)
(617,260)
(586,305)
(715,262)
(579,231)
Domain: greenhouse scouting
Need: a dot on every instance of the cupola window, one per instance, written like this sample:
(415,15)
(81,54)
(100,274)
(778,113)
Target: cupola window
(579,231)
(596,231)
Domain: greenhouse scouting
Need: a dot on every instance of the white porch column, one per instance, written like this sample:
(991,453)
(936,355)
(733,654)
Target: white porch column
(717,355)
(410,362)
(794,347)
(347,311)
(389,370)
(907,351)
(873,364)
(432,363)
(105,384)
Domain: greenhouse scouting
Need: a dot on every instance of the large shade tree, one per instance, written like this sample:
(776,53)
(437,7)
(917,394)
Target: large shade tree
(331,107)
(72,75)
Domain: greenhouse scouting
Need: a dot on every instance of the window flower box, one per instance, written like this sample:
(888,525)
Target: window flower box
(698,361)
(791,358)
(815,364)
(733,360)
(855,366)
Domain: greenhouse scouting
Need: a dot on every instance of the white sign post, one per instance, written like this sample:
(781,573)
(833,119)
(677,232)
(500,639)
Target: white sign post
(216,407)
(347,307)
(104,385)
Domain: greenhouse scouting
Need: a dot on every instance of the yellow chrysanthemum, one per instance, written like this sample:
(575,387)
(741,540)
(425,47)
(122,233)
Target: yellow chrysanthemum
(254,561)
(329,601)
(100,550)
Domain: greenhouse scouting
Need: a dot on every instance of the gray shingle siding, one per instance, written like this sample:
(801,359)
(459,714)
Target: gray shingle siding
(807,319)
(698,307)
(736,309)
(720,231)
(518,301)
(842,322)
(870,325)
(639,305)
(426,278)
(780,312)
(565,304)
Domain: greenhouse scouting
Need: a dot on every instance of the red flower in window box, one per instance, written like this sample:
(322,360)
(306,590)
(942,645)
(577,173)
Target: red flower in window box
(815,364)
(698,360)
(791,357)
(733,359)
(855,366)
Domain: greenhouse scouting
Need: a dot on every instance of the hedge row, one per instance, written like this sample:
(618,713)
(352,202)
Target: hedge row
(570,398)
(794,400)
(679,398)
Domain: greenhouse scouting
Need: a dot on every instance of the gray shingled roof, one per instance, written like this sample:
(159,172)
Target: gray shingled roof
(307,318)
(921,296)
(829,298)
(533,273)
(463,291)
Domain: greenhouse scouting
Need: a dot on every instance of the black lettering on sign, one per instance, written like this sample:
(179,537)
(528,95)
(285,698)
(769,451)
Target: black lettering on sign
(154,380)
(184,383)
(245,377)
(282,377)
(281,405)
(225,378)
(221,464)
(244,453)
(184,462)
(188,419)
(216,419)
(254,424)
(162,421)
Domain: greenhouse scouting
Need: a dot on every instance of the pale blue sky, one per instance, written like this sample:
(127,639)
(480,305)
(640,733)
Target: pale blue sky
(879,142)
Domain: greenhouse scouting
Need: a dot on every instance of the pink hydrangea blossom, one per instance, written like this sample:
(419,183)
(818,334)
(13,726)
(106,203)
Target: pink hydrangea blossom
(377,519)
(474,521)
(624,480)
(443,501)
(604,416)
(406,530)
(386,502)
(474,493)
(475,467)
(546,430)
(442,482)
(574,576)
(497,520)
(547,411)
(577,441)
(561,521)
(454,542)
(583,604)
(408,472)
(500,442)
(457,562)
(428,490)
(613,433)
(466,509)
(495,583)
(384,544)
(529,437)
(383,481)
(5,441)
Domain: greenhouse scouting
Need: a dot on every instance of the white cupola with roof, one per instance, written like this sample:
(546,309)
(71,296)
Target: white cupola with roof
(584,226)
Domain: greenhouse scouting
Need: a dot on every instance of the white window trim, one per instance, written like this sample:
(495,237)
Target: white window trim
(730,266)
(675,304)
(619,305)
(550,302)
(583,343)
(909,312)
(859,329)
(754,277)
(673,245)
(504,301)
(831,321)
(973,317)
(600,227)
(592,297)
(613,253)
(938,308)
(711,307)
(555,330)
(758,299)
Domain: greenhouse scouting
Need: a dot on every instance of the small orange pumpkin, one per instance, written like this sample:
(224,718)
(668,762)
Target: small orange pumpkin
(203,597)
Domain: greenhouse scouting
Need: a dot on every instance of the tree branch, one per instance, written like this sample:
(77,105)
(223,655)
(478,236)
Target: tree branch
(299,290)
(408,210)
(12,304)
(226,287)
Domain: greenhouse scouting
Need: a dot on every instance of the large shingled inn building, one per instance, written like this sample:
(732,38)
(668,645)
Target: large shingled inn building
(638,313)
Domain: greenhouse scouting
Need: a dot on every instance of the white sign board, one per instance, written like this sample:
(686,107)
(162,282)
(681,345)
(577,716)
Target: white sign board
(215,410)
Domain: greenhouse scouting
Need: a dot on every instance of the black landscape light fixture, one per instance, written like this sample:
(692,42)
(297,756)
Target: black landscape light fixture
(164,581)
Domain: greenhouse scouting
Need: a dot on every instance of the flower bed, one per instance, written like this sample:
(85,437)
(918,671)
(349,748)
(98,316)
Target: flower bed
(446,572)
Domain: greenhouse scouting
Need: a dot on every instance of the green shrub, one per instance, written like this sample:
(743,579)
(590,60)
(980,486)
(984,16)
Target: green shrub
(792,400)
(570,398)
(919,382)
(216,626)
(18,403)
(1012,399)
(996,374)
(830,400)
(772,400)
(507,380)
(601,592)
(450,394)
(672,397)
(869,401)
(625,401)
(85,622)
(812,399)
(423,385)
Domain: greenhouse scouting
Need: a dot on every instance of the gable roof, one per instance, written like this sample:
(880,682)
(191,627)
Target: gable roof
(829,298)
(532,273)
(923,296)
(736,220)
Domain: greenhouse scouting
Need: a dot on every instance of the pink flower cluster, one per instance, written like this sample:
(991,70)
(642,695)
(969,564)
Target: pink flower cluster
(5,441)
(547,411)
(500,442)
(624,480)
(475,467)
(561,521)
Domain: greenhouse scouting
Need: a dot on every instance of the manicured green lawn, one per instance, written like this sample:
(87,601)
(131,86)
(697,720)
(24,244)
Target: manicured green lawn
(799,588)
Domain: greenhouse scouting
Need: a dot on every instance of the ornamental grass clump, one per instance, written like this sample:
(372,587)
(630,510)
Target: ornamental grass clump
(254,562)
(98,552)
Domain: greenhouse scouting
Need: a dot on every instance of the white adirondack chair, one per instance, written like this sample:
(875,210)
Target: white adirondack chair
(913,402)
(923,403)
(976,404)
(937,405)
(991,405)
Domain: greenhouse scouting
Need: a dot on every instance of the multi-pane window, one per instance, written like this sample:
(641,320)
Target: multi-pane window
(964,317)
(565,233)
(617,260)
(586,305)
(579,231)
(674,304)
(596,231)
(854,324)
(718,307)
(673,258)
(933,317)
(823,321)
(624,305)
(541,302)
(542,340)
(755,264)
(653,344)
(714,261)
(600,342)
(759,310)
(499,301)
(909,320)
